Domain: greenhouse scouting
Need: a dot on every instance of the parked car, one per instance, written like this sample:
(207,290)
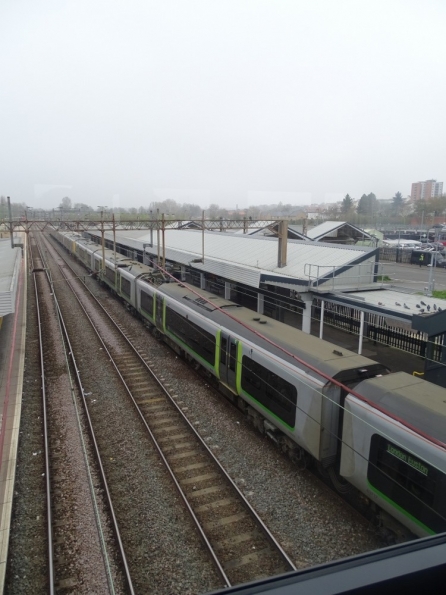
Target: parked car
(432,246)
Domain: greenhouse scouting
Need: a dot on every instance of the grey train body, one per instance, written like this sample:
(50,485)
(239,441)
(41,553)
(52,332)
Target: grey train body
(383,433)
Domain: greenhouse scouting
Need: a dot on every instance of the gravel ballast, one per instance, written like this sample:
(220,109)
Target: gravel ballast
(311,522)
(163,549)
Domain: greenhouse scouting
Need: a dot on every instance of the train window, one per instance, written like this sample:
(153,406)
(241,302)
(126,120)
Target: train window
(195,337)
(110,274)
(410,483)
(223,347)
(232,355)
(97,265)
(147,303)
(125,286)
(269,389)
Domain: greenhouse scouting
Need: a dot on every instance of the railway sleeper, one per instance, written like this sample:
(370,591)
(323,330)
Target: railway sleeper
(388,527)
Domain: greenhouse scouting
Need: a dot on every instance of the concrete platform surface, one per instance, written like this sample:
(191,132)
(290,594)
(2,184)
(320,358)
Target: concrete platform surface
(12,360)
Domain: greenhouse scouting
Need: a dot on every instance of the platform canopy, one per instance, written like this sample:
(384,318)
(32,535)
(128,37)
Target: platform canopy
(10,259)
(253,260)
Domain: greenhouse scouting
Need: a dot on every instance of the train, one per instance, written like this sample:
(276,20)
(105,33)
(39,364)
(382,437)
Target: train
(379,434)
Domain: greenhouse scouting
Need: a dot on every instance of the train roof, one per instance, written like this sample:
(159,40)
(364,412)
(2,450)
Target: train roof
(326,357)
(120,261)
(136,269)
(420,403)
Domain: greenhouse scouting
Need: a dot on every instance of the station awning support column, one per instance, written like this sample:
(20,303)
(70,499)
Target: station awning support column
(321,323)
(361,332)
(307,298)
(260,303)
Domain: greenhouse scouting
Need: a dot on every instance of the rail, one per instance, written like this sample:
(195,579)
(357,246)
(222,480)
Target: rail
(102,476)
(210,543)
(34,270)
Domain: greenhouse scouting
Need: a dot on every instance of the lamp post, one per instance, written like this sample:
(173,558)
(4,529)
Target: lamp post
(433,263)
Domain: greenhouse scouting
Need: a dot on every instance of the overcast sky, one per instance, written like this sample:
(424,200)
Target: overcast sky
(237,102)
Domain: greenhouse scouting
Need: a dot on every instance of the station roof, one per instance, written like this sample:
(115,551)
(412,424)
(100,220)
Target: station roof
(294,231)
(10,259)
(250,260)
(389,302)
(253,227)
(333,230)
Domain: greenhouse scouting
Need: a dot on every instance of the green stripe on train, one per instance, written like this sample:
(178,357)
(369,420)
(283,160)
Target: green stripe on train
(400,509)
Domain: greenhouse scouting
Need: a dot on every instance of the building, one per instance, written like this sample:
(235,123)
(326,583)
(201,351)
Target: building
(338,232)
(425,190)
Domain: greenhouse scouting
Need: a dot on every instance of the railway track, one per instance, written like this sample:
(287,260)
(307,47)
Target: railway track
(37,268)
(61,507)
(240,545)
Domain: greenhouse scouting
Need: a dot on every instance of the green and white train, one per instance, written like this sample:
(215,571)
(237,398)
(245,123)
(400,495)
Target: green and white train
(383,433)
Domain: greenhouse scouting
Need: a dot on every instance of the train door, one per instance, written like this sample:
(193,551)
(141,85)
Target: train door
(228,359)
(159,312)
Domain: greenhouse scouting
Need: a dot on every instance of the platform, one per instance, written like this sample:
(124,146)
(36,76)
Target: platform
(12,359)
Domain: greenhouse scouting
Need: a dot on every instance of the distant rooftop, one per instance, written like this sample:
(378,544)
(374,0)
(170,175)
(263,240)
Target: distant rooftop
(331,230)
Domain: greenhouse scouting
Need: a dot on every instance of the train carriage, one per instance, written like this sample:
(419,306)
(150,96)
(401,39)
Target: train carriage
(146,300)
(190,330)
(282,373)
(109,272)
(69,240)
(85,251)
(400,469)
(382,433)
(128,277)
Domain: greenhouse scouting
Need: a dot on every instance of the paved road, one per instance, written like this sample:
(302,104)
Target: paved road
(411,276)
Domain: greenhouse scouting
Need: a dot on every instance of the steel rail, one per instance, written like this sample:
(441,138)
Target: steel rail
(45,438)
(152,437)
(94,441)
(272,540)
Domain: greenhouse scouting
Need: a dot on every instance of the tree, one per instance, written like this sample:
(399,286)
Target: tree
(347,204)
(190,211)
(398,203)
(367,205)
(434,206)
(65,203)
(213,211)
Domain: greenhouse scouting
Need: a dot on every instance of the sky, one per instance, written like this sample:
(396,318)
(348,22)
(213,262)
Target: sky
(234,102)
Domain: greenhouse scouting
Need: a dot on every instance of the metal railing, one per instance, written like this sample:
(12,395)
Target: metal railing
(355,276)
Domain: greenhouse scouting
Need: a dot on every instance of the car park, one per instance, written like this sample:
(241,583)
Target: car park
(429,257)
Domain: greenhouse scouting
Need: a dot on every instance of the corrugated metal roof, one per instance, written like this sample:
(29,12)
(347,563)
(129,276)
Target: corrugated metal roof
(329,227)
(253,227)
(298,231)
(10,259)
(236,257)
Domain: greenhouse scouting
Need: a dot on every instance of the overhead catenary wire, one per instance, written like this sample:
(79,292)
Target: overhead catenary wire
(286,306)
(168,274)
(391,417)
(428,439)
